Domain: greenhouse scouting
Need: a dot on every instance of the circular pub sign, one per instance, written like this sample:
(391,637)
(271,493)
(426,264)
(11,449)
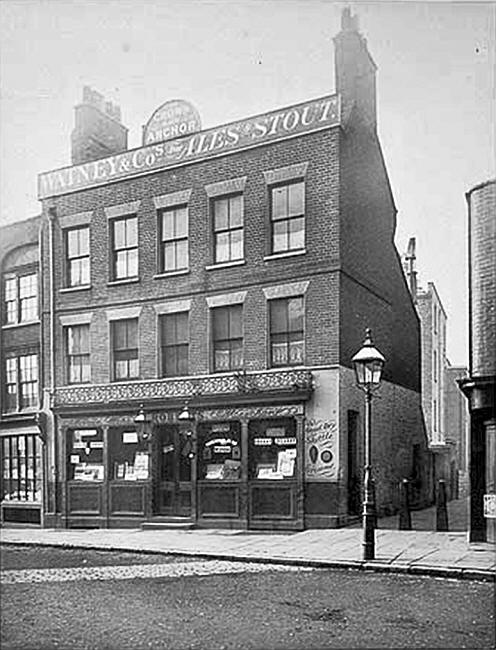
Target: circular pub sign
(171,120)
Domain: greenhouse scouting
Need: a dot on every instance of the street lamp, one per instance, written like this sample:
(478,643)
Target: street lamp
(368,363)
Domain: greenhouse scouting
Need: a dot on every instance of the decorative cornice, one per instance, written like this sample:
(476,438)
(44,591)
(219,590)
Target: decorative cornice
(122,210)
(297,382)
(76,319)
(289,173)
(230,186)
(174,198)
(123,312)
(286,290)
(226,299)
(77,219)
(173,306)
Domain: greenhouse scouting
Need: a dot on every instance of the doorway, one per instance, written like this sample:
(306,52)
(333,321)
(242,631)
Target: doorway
(173,483)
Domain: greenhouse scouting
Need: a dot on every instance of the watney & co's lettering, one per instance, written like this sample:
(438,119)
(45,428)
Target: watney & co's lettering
(302,118)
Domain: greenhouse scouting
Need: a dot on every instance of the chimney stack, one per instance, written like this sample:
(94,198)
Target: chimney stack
(354,72)
(98,131)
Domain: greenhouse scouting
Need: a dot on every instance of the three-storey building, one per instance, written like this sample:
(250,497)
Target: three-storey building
(204,297)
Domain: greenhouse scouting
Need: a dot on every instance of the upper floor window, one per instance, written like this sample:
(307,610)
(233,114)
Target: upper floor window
(124,248)
(21,382)
(287,214)
(173,227)
(286,331)
(227,213)
(78,354)
(174,344)
(77,256)
(125,363)
(227,337)
(21,297)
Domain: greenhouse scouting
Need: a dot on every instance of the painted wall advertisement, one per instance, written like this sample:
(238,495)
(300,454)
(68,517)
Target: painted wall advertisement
(288,122)
(320,449)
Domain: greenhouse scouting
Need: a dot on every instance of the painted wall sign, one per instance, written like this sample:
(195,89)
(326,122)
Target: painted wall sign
(171,120)
(320,449)
(288,122)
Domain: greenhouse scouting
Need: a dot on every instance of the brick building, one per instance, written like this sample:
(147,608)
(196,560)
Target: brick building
(21,449)
(227,274)
(444,412)
(479,387)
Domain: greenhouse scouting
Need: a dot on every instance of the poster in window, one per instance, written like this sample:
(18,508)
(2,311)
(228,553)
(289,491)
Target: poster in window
(141,465)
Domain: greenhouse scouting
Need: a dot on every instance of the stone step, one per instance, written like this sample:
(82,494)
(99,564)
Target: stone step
(168,523)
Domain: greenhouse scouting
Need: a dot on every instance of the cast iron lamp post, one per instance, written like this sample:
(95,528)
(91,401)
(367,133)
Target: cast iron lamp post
(368,362)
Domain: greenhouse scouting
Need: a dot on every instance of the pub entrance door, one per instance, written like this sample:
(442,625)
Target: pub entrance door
(173,476)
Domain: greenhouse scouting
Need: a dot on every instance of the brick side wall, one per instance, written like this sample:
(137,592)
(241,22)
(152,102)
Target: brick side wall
(397,426)
(368,255)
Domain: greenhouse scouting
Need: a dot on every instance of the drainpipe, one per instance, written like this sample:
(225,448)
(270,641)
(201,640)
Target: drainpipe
(52,216)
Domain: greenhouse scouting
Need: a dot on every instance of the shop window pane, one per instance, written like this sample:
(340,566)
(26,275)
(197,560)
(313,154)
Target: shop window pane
(296,233)
(221,214)
(181,222)
(237,244)
(279,202)
(296,199)
(219,451)
(168,231)
(236,211)
(182,254)
(222,247)
(85,455)
(279,236)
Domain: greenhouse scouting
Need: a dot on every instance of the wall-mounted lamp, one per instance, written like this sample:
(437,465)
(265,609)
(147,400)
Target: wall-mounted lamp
(143,424)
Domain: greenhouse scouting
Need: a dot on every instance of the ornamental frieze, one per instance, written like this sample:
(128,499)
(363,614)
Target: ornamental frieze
(241,383)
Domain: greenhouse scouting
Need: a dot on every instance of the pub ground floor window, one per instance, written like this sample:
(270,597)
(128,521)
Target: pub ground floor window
(85,455)
(272,450)
(219,446)
(129,457)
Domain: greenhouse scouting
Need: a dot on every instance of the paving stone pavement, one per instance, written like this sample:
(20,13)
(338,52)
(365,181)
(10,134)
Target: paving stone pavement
(420,552)
(132,572)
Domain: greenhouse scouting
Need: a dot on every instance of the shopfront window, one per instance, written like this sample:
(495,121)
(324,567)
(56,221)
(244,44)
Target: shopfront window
(272,449)
(22,473)
(85,455)
(219,450)
(129,458)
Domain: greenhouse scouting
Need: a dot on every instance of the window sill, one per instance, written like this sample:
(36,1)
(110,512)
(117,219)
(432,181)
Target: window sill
(276,256)
(223,265)
(168,274)
(25,324)
(82,287)
(24,413)
(113,283)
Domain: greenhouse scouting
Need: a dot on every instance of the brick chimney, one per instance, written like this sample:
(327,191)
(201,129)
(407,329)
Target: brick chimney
(354,71)
(98,131)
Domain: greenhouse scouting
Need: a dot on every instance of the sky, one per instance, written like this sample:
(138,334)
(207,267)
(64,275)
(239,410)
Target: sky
(232,59)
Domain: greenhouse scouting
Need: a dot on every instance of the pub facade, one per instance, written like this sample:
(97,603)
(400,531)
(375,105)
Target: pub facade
(203,298)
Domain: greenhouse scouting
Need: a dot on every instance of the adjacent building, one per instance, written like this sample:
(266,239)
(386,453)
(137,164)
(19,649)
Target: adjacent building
(203,296)
(21,448)
(445,414)
(480,384)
